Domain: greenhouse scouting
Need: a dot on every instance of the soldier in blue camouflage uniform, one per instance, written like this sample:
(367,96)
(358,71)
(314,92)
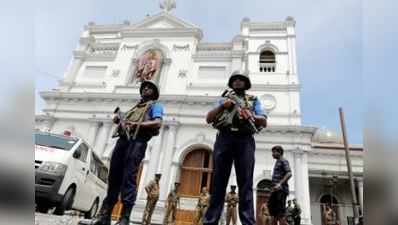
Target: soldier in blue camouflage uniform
(237,117)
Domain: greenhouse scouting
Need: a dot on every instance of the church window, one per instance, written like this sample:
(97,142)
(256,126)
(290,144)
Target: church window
(267,61)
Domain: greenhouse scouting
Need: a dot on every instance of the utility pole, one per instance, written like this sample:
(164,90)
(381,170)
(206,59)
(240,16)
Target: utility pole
(349,168)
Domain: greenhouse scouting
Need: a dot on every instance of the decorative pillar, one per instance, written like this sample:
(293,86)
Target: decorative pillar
(360,193)
(149,169)
(169,147)
(302,185)
(103,138)
(93,131)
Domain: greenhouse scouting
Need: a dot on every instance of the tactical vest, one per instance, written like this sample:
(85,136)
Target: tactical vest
(228,119)
(140,113)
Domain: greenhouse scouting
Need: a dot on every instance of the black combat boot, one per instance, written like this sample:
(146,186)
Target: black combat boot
(103,217)
(125,215)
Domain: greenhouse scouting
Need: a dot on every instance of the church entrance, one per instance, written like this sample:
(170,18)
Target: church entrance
(196,172)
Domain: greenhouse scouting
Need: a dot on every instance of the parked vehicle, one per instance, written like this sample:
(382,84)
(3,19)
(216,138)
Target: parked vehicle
(68,175)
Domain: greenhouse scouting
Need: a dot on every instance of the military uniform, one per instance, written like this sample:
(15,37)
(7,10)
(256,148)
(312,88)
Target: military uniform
(234,144)
(265,217)
(172,202)
(126,158)
(290,213)
(152,190)
(232,201)
(296,213)
(201,207)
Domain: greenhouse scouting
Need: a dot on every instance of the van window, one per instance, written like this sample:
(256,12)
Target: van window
(93,166)
(84,152)
(54,141)
(98,168)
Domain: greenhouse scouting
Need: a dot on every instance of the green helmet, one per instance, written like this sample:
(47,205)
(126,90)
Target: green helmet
(154,87)
(241,75)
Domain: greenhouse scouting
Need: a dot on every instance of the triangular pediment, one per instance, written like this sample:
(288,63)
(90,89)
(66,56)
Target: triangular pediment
(163,21)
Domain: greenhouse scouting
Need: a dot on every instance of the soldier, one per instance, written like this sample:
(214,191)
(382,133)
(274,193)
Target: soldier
(290,213)
(237,116)
(201,207)
(296,213)
(329,215)
(265,217)
(152,191)
(139,125)
(232,200)
(280,190)
(172,203)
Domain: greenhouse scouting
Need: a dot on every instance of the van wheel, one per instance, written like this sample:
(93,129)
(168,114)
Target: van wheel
(93,211)
(66,202)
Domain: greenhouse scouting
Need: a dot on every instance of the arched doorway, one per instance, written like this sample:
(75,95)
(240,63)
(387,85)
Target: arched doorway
(329,200)
(196,172)
(263,194)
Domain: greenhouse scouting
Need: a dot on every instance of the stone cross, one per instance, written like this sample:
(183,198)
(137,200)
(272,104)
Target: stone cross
(168,5)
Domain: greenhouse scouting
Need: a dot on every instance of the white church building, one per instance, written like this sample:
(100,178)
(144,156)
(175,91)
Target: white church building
(191,75)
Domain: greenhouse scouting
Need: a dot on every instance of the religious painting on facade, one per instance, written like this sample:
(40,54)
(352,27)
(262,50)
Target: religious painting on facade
(148,66)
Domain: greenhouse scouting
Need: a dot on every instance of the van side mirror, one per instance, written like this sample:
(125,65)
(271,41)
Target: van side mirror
(77,153)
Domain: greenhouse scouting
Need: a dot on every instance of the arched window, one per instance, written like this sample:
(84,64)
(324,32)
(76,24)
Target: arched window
(327,201)
(267,61)
(196,172)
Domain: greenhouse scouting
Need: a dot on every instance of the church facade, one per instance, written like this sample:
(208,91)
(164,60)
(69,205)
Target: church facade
(191,74)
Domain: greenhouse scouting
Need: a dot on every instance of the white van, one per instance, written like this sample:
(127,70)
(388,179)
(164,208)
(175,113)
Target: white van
(68,175)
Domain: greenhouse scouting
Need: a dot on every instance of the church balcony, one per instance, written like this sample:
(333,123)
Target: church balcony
(267,67)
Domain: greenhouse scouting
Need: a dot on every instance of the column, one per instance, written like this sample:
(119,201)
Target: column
(360,193)
(289,55)
(93,131)
(103,138)
(302,185)
(73,70)
(293,58)
(149,170)
(166,161)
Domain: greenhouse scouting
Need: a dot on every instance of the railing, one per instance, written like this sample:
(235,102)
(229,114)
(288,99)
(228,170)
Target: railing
(267,67)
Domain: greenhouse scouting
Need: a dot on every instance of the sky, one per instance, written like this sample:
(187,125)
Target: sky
(329,45)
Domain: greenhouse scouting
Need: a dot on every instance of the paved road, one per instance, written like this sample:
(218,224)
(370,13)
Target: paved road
(49,219)
(70,218)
